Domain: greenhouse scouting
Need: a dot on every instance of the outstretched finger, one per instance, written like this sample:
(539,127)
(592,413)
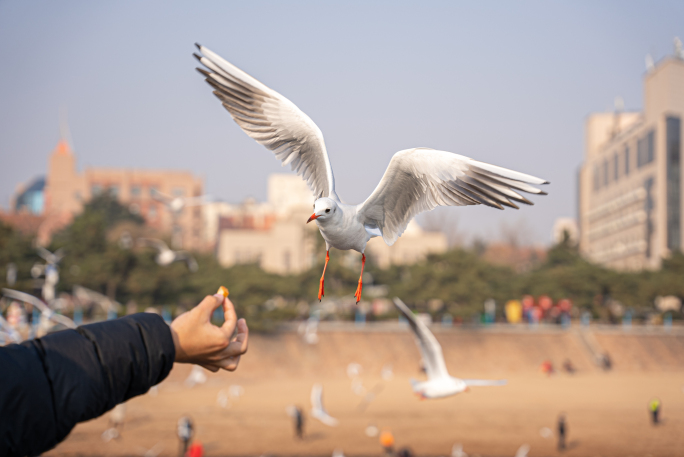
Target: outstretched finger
(239,344)
(230,317)
(229,364)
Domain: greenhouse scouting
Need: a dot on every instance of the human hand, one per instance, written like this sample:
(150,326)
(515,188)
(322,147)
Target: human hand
(199,341)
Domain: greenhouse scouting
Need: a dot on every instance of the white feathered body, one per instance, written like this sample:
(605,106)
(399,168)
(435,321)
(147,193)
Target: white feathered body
(343,230)
(439,387)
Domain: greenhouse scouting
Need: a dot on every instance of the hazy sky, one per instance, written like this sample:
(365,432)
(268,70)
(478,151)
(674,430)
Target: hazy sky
(503,82)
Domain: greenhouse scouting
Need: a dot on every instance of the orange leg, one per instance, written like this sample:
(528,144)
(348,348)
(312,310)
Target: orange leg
(360,286)
(321,289)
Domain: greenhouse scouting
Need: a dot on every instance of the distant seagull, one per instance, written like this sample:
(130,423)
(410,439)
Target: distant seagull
(196,376)
(52,258)
(416,180)
(154,451)
(309,330)
(166,256)
(523,450)
(317,410)
(457,451)
(440,383)
(45,311)
(176,204)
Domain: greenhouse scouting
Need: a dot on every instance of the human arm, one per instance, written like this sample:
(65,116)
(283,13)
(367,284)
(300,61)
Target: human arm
(50,384)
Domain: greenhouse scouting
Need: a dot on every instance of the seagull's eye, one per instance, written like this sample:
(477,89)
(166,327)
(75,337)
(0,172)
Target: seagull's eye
(327,210)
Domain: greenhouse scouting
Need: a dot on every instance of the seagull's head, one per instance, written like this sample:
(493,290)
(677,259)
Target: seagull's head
(324,209)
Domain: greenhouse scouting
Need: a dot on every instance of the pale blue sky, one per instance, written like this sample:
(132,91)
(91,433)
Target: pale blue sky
(503,82)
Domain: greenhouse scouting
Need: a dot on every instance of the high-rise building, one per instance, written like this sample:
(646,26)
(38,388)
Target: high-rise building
(630,184)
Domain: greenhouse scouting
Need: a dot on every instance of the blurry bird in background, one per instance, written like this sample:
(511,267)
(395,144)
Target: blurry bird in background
(166,256)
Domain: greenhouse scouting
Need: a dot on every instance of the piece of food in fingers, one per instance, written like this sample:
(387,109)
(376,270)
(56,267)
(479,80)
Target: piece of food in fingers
(223,291)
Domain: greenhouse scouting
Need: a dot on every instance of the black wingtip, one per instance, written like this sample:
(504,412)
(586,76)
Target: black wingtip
(203,72)
(197,56)
(541,192)
(199,46)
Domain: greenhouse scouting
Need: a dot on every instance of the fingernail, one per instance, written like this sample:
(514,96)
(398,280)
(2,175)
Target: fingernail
(219,297)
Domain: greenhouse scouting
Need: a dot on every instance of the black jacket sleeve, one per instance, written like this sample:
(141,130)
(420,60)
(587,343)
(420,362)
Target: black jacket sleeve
(48,385)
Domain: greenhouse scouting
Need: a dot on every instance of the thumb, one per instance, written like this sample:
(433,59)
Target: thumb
(209,305)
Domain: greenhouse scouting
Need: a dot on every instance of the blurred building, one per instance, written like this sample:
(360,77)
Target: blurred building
(63,192)
(563,226)
(412,246)
(630,184)
(275,234)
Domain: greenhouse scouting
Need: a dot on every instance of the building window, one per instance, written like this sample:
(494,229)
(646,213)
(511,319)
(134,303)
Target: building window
(616,167)
(626,153)
(135,191)
(178,192)
(95,190)
(597,178)
(649,205)
(650,146)
(114,191)
(646,149)
(673,148)
(604,173)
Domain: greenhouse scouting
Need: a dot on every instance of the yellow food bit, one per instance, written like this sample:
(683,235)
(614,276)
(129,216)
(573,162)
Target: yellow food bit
(223,291)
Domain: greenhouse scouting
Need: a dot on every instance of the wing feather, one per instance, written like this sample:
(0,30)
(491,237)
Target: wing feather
(421,179)
(429,347)
(272,120)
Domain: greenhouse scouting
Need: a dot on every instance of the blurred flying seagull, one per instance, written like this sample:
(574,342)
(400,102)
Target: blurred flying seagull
(45,311)
(416,180)
(166,256)
(176,204)
(439,383)
(523,450)
(317,409)
(52,258)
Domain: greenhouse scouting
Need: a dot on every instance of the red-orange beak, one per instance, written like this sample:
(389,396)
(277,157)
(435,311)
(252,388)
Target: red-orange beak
(313,216)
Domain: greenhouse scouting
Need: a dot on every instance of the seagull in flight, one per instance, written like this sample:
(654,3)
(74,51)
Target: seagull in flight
(166,256)
(416,180)
(176,204)
(317,409)
(440,383)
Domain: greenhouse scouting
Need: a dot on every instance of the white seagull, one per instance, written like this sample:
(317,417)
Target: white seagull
(176,204)
(317,409)
(166,256)
(416,180)
(440,383)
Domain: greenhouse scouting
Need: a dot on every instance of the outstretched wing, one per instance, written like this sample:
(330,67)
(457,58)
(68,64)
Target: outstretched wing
(429,347)
(39,304)
(272,120)
(317,409)
(421,179)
